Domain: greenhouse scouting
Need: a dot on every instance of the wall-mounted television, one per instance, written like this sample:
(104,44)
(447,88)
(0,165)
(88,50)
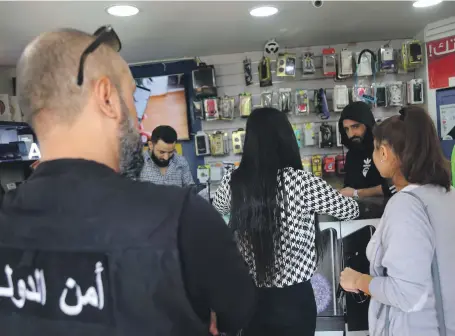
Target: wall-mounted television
(162,101)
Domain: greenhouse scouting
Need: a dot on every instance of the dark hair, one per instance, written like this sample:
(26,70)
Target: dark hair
(165,133)
(414,140)
(256,215)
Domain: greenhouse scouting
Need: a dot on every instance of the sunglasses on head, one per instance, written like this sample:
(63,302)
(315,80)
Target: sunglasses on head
(103,35)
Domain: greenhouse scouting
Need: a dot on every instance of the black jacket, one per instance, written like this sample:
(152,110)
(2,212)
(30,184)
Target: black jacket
(360,170)
(86,251)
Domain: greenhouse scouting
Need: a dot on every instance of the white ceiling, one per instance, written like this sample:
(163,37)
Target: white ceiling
(168,29)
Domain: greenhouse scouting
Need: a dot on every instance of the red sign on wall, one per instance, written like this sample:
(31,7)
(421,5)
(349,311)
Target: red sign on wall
(441,62)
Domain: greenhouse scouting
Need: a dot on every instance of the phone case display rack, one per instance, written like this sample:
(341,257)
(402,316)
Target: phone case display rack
(298,96)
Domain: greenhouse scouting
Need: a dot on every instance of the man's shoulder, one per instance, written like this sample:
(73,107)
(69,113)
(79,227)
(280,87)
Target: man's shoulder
(144,191)
(180,160)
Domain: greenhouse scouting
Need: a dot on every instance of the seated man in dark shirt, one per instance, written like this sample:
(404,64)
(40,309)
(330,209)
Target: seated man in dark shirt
(362,178)
(87,251)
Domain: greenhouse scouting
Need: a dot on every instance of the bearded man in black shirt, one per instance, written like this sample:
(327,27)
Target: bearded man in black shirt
(362,178)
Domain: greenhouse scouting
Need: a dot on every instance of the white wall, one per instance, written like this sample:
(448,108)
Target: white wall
(6,79)
(230,81)
(435,31)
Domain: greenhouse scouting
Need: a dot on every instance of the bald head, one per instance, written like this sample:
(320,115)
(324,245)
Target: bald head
(47,75)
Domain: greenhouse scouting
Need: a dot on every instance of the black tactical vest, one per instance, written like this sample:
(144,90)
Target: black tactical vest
(84,251)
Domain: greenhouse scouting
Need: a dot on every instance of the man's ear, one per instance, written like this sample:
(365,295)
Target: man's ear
(107,97)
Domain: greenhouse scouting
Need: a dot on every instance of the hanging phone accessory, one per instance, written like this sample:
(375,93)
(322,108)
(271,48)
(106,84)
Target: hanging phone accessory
(308,67)
(238,139)
(245,104)
(365,92)
(329,62)
(219,144)
(202,144)
(395,94)
(267,99)
(204,83)
(302,106)
(211,109)
(345,60)
(320,104)
(415,91)
(387,59)
(298,135)
(265,72)
(286,65)
(340,97)
(285,100)
(247,71)
(325,136)
(381,95)
(198,109)
(411,55)
(227,108)
(309,138)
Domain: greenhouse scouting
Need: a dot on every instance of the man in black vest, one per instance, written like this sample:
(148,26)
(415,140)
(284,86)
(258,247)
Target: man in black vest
(87,251)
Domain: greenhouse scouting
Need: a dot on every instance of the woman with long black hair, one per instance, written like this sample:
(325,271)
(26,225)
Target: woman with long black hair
(272,203)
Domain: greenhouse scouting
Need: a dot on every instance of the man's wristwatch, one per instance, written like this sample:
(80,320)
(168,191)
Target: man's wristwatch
(355,194)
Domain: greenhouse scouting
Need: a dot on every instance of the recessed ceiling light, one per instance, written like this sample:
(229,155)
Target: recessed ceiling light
(122,10)
(264,11)
(426,3)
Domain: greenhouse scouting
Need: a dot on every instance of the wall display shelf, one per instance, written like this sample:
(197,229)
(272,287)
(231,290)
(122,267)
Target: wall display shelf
(230,81)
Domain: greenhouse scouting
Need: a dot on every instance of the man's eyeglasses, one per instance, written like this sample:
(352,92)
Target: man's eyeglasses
(106,35)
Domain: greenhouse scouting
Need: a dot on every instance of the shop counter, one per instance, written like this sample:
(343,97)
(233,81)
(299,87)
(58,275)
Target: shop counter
(344,241)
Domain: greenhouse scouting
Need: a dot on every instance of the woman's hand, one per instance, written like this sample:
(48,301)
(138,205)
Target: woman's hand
(213,327)
(349,279)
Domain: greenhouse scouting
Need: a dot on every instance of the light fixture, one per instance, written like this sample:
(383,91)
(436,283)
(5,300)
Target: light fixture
(122,10)
(426,3)
(263,11)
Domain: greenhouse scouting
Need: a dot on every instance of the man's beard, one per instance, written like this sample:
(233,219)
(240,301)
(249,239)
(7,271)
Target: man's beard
(131,158)
(158,162)
(362,143)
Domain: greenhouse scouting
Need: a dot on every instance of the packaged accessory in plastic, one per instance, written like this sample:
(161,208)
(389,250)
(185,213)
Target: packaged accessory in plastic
(245,104)
(238,139)
(219,144)
(309,138)
(302,106)
(286,65)
(308,67)
(266,99)
(265,72)
(227,108)
(247,71)
(204,83)
(415,91)
(329,62)
(340,97)
(345,63)
(325,136)
(202,143)
(198,109)
(211,109)
(395,94)
(387,60)
(285,100)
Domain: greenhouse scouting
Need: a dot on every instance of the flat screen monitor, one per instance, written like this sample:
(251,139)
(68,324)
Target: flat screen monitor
(162,101)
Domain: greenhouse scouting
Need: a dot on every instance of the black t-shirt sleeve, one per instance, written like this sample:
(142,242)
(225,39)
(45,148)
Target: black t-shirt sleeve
(214,272)
(348,171)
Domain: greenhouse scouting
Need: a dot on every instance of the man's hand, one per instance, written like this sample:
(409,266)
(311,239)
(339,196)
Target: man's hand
(348,192)
(213,327)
